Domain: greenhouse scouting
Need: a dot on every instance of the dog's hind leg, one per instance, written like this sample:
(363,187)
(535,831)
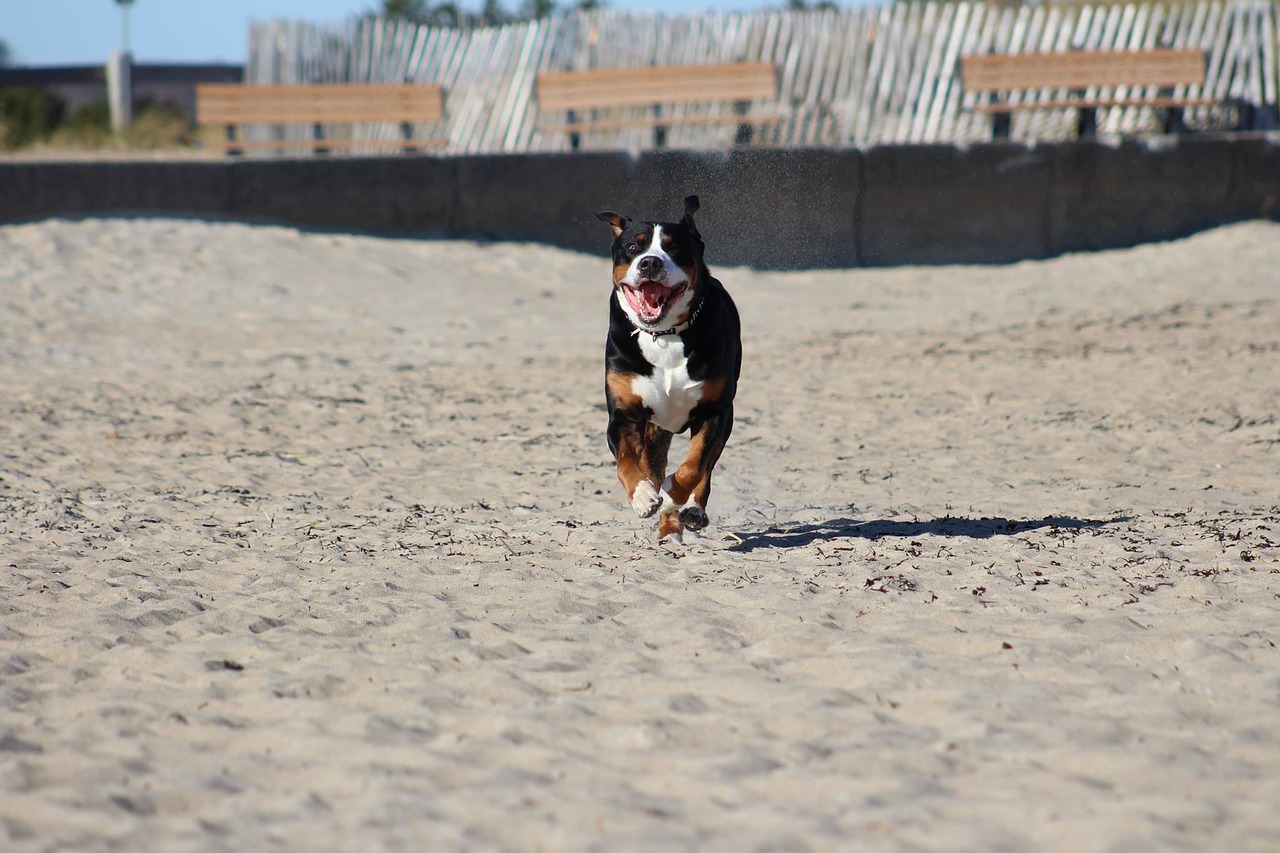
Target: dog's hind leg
(669,525)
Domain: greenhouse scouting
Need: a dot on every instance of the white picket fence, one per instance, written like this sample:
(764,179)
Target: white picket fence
(855,77)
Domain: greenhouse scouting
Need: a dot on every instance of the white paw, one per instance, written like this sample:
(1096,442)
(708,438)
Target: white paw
(645,500)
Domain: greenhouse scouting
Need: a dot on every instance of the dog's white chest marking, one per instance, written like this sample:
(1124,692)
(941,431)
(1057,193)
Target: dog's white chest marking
(668,391)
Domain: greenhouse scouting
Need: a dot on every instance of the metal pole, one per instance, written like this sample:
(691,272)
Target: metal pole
(120,78)
(120,91)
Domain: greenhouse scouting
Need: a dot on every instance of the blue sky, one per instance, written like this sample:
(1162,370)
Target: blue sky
(72,32)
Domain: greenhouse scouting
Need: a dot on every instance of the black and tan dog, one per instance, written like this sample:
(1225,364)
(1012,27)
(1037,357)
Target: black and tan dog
(671,365)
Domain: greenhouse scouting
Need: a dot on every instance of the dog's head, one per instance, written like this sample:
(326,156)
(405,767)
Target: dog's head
(657,267)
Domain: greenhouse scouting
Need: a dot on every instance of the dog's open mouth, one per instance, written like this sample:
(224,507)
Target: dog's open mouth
(651,299)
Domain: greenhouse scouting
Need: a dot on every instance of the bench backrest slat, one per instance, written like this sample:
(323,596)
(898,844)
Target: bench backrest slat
(663,84)
(1080,69)
(338,103)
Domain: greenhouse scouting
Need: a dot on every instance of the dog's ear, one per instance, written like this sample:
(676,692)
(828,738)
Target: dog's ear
(690,208)
(616,221)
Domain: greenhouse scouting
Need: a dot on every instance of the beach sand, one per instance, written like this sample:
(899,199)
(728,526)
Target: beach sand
(313,541)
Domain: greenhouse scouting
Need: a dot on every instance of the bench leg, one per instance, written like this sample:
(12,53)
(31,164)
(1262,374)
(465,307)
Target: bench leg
(575,138)
(1086,123)
(742,136)
(659,130)
(406,133)
(1001,123)
(1174,121)
(230,148)
(317,133)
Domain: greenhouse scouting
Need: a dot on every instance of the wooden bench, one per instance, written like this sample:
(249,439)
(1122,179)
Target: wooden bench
(585,95)
(318,107)
(1084,80)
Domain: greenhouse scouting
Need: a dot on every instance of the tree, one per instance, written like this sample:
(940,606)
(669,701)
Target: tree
(536,9)
(6,55)
(405,10)
(446,15)
(492,12)
(422,12)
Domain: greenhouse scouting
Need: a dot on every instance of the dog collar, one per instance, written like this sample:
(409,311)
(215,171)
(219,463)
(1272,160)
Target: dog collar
(677,329)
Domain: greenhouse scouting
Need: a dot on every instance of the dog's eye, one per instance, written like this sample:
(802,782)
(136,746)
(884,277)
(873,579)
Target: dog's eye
(633,248)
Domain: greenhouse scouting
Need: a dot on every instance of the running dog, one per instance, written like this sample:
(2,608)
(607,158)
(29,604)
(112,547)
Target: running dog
(671,365)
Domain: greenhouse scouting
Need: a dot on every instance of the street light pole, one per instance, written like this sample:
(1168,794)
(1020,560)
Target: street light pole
(120,79)
(124,14)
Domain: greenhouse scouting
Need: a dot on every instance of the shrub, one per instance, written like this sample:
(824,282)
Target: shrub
(87,126)
(155,125)
(27,115)
(158,125)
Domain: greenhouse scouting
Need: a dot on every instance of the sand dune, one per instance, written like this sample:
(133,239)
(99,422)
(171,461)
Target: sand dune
(313,541)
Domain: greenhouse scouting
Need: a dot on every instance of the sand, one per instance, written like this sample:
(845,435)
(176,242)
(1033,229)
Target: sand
(313,541)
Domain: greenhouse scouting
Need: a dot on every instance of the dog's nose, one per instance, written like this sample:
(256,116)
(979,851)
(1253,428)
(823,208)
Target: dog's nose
(649,265)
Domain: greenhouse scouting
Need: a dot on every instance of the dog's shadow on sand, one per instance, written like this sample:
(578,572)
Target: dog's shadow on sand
(799,535)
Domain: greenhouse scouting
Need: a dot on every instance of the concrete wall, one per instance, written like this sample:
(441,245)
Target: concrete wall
(767,208)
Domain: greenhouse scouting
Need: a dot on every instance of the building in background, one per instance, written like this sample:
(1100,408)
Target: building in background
(80,85)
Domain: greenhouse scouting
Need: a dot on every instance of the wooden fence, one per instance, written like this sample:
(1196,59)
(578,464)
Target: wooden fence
(855,77)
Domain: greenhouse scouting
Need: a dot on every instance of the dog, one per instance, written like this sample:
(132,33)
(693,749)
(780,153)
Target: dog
(672,361)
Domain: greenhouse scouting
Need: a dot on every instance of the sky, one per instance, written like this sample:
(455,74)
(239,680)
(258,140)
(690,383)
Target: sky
(83,32)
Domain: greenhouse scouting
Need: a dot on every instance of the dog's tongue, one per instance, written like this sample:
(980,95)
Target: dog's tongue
(653,295)
(648,299)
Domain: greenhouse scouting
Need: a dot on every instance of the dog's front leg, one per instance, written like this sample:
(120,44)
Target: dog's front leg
(689,487)
(631,450)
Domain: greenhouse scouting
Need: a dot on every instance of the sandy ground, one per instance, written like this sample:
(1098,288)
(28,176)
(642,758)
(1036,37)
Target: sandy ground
(313,542)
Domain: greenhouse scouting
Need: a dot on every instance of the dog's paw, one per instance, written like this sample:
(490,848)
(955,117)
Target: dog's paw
(694,517)
(669,528)
(645,500)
